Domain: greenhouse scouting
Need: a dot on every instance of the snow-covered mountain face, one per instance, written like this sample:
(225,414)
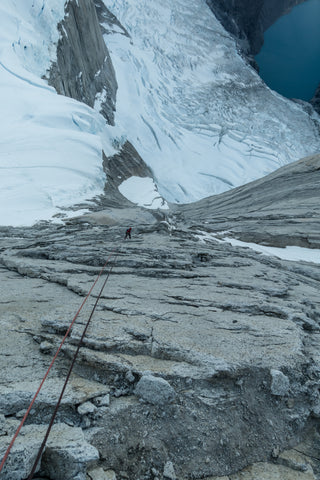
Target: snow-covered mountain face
(50,147)
(197,114)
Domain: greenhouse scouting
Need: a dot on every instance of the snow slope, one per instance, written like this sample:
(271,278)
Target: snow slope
(198,115)
(50,146)
(143,192)
(292,253)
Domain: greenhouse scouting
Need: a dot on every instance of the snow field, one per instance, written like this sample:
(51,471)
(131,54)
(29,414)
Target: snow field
(202,120)
(50,145)
(143,191)
(292,253)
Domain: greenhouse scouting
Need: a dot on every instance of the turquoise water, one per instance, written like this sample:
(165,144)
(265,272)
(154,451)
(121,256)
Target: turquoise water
(289,60)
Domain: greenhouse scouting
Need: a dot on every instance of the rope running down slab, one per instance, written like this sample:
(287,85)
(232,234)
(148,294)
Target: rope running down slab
(30,477)
(52,362)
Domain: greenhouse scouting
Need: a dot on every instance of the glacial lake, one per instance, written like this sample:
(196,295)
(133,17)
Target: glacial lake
(289,60)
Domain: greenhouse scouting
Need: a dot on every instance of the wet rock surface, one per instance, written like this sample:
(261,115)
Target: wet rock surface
(201,358)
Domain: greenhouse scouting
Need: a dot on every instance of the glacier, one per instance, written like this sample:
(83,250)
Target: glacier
(196,112)
(50,145)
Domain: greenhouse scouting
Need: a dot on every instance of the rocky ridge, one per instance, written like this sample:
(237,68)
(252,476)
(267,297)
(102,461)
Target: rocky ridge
(83,69)
(286,213)
(201,360)
(248,21)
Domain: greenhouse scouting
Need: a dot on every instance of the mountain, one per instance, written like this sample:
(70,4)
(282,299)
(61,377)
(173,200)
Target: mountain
(202,357)
(168,76)
(280,209)
(247,21)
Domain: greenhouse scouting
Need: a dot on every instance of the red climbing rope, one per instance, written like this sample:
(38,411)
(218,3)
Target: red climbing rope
(53,360)
(67,379)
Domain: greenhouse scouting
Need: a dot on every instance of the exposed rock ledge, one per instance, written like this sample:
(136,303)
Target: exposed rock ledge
(201,360)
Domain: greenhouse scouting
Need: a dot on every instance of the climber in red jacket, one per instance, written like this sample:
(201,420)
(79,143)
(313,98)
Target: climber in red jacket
(128,233)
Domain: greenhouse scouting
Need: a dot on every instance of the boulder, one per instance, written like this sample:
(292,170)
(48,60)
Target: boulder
(155,390)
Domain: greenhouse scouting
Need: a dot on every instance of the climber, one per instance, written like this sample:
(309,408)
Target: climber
(128,233)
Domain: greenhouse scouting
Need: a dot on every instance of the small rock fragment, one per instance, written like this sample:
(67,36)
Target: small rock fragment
(275,452)
(168,471)
(104,401)
(3,430)
(45,347)
(86,408)
(100,474)
(280,383)
(315,411)
(130,377)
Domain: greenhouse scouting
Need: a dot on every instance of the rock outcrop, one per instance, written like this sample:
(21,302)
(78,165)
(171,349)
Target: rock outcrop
(316,100)
(120,167)
(83,69)
(278,217)
(201,359)
(248,20)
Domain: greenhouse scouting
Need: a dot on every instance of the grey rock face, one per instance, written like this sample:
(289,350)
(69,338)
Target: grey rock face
(83,68)
(287,213)
(248,20)
(234,333)
(316,100)
(120,167)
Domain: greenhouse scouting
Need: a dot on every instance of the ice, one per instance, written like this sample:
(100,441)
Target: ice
(143,192)
(200,117)
(197,114)
(50,145)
